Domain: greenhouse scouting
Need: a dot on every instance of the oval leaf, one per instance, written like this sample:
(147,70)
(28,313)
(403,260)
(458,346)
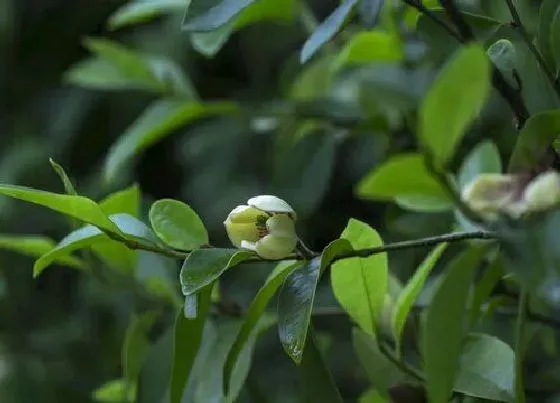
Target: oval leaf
(442,332)
(203,266)
(178,225)
(444,116)
(360,284)
(412,289)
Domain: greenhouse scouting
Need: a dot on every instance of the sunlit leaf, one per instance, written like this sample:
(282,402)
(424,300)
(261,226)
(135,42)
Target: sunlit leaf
(371,46)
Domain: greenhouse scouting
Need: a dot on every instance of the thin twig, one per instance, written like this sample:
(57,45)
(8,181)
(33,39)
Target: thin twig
(417,4)
(518,25)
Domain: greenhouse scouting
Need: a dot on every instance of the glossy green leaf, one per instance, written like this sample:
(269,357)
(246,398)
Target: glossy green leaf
(79,207)
(487,369)
(116,391)
(327,30)
(178,225)
(88,236)
(295,300)
(136,345)
(318,383)
(445,117)
(203,266)
(187,339)
(406,298)
(140,11)
(217,16)
(36,246)
(405,178)
(443,330)
(158,120)
(368,47)
(253,315)
(360,284)
(535,138)
(382,373)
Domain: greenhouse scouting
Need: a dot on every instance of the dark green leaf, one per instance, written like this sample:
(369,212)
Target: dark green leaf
(326,30)
(493,273)
(178,225)
(79,207)
(217,16)
(370,11)
(444,117)
(36,246)
(555,38)
(153,384)
(203,266)
(318,382)
(360,284)
(382,373)
(487,369)
(534,139)
(443,330)
(546,16)
(295,300)
(136,12)
(188,336)
(405,178)
(412,289)
(158,120)
(253,315)
(136,345)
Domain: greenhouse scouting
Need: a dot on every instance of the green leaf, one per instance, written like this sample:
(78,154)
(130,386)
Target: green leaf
(372,396)
(443,330)
(326,30)
(295,300)
(188,336)
(360,284)
(318,383)
(502,54)
(136,12)
(136,345)
(114,67)
(487,369)
(88,236)
(253,315)
(124,201)
(68,186)
(370,11)
(153,385)
(217,16)
(546,16)
(157,121)
(382,373)
(36,246)
(537,135)
(405,178)
(370,46)
(555,38)
(203,266)
(178,225)
(493,273)
(304,174)
(411,291)
(79,207)
(116,391)
(445,117)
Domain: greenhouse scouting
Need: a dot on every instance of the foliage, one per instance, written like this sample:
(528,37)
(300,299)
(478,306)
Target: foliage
(371,121)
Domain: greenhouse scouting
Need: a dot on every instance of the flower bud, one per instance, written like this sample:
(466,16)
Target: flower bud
(266,226)
(543,192)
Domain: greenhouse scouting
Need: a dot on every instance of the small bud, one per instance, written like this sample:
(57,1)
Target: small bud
(265,225)
(491,194)
(543,192)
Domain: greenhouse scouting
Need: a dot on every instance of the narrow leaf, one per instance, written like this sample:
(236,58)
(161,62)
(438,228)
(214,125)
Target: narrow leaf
(68,186)
(445,117)
(188,336)
(411,291)
(136,345)
(217,16)
(360,284)
(443,330)
(36,246)
(178,225)
(203,266)
(326,30)
(136,12)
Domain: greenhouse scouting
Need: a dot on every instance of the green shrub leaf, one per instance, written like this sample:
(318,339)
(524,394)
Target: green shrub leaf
(139,11)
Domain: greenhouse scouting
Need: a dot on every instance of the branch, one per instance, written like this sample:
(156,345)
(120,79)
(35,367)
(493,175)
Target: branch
(517,24)
(417,4)
(138,244)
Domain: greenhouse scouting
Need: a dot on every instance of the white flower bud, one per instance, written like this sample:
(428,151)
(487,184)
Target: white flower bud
(265,225)
(543,192)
